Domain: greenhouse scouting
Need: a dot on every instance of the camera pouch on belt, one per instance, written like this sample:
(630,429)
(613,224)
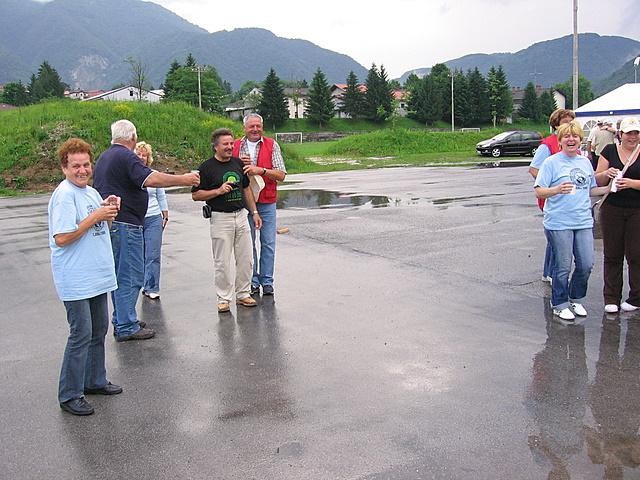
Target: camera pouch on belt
(206,211)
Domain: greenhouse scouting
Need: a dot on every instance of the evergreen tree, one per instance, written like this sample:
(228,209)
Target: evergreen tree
(461,108)
(530,108)
(500,100)
(46,84)
(441,92)
(352,98)
(190,61)
(273,104)
(418,98)
(31,88)
(319,108)
(378,104)
(16,94)
(411,81)
(546,105)
(386,93)
(169,79)
(478,98)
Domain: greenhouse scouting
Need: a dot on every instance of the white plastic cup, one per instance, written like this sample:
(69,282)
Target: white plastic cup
(614,186)
(573,189)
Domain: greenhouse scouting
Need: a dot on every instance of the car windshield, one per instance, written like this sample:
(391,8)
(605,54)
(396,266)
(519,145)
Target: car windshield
(501,136)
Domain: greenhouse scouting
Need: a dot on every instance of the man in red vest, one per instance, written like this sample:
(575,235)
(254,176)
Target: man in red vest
(262,157)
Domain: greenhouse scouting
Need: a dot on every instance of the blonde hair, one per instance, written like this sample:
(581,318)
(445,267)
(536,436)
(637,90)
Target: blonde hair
(144,146)
(571,128)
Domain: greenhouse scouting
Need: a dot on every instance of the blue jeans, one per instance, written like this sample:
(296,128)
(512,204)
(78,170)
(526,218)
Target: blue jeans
(568,245)
(547,270)
(128,254)
(263,267)
(152,246)
(83,361)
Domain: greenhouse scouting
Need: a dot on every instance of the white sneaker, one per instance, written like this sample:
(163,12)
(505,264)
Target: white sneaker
(564,314)
(611,308)
(578,309)
(547,279)
(627,307)
(153,295)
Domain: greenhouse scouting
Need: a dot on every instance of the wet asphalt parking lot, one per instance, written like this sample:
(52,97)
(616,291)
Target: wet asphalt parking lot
(410,337)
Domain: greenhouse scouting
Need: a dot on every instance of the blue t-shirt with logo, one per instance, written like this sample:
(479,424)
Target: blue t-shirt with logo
(120,172)
(84,268)
(567,211)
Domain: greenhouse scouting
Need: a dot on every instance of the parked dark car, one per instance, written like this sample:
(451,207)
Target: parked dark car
(518,142)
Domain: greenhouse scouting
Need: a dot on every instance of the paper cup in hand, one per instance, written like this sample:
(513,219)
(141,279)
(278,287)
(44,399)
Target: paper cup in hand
(573,189)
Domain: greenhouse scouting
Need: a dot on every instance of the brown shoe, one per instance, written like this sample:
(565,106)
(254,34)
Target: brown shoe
(246,302)
(223,307)
(142,334)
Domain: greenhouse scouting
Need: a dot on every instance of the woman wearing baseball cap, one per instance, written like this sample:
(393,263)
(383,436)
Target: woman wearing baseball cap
(620,217)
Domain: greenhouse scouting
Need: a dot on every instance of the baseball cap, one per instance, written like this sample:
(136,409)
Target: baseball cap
(630,124)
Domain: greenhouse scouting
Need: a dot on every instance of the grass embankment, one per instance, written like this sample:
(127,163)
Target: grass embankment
(180,135)
(30,136)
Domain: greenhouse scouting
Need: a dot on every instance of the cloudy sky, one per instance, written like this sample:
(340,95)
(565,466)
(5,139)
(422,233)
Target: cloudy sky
(407,34)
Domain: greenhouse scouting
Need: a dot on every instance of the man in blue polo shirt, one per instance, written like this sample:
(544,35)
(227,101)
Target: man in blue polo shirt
(120,172)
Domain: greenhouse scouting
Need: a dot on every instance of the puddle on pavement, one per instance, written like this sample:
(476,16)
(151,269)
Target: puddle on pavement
(305,199)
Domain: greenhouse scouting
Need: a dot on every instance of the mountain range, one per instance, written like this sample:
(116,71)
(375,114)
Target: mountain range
(601,59)
(87,41)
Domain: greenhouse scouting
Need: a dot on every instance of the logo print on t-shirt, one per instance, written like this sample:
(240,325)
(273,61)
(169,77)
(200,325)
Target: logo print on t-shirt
(579,178)
(235,194)
(97,227)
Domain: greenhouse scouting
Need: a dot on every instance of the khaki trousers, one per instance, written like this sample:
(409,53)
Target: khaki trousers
(232,254)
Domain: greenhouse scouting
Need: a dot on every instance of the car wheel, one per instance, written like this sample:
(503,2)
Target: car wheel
(533,151)
(496,152)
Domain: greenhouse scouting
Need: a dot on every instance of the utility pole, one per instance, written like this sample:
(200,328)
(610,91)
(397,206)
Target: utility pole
(453,128)
(198,68)
(575,54)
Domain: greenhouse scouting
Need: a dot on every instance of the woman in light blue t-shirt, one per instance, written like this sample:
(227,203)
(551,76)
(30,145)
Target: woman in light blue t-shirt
(83,273)
(565,181)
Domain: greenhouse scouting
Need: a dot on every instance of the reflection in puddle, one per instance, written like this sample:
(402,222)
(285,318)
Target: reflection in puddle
(304,199)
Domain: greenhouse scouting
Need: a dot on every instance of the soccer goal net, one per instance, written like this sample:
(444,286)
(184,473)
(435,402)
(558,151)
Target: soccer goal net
(289,137)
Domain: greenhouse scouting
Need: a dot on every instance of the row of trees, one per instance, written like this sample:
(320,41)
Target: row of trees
(476,100)
(46,84)
(374,101)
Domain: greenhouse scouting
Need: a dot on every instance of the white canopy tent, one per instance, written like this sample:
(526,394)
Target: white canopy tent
(622,102)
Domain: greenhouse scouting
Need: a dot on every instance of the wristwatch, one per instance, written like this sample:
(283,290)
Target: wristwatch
(264,171)
(255,212)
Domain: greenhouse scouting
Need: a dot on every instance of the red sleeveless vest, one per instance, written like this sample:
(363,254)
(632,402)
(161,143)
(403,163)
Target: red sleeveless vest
(552,143)
(554,147)
(269,193)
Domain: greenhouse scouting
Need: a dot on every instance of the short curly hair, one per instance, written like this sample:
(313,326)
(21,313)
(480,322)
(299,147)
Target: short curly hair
(73,145)
(559,114)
